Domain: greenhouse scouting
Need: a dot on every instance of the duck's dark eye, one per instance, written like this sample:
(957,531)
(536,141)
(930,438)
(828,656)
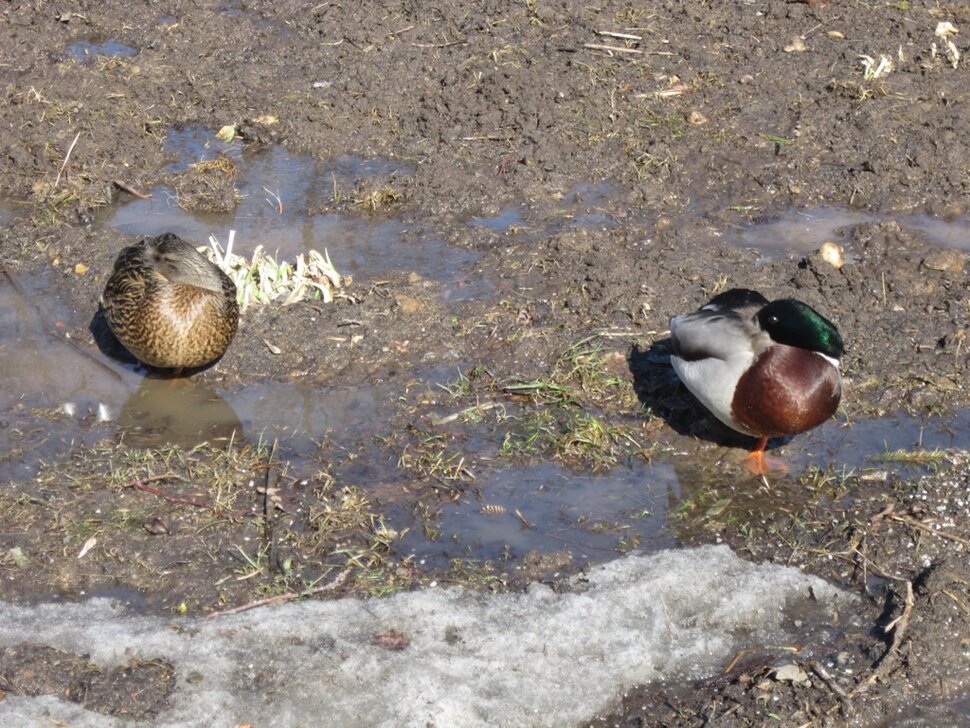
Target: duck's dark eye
(772,319)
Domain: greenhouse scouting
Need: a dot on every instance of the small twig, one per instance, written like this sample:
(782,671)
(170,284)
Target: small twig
(612,49)
(525,521)
(830,683)
(130,190)
(909,520)
(624,36)
(140,485)
(955,598)
(484,406)
(439,45)
(67,157)
(737,658)
(283,598)
(891,658)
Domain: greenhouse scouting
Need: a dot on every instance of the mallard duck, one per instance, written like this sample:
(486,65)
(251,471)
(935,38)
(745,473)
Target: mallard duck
(763,369)
(169,305)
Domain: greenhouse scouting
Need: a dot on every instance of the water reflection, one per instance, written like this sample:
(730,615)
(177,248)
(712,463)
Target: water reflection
(283,196)
(181,412)
(799,232)
(547,508)
(88,50)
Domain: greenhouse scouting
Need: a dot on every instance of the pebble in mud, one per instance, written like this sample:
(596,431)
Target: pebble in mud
(948,260)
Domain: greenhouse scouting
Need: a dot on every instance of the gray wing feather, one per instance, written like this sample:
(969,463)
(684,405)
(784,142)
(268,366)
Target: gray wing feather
(712,334)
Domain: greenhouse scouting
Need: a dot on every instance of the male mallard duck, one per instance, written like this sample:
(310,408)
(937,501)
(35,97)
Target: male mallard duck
(763,369)
(169,305)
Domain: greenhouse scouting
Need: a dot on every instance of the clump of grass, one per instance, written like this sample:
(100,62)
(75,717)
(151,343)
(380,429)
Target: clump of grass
(569,425)
(344,519)
(581,374)
(430,458)
(209,186)
(263,279)
(379,198)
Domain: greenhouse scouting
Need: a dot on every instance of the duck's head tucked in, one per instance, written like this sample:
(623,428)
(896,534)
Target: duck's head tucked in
(169,305)
(766,369)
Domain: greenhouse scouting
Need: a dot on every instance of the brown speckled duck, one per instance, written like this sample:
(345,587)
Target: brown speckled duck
(169,305)
(764,369)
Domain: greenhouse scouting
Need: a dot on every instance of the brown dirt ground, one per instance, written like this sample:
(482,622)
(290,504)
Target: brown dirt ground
(719,115)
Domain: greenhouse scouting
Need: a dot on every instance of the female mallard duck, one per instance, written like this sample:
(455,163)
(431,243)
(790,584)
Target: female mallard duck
(764,369)
(169,305)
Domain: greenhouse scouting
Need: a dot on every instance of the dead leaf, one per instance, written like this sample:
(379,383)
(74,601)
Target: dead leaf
(392,640)
(796,46)
(946,29)
(226,133)
(88,545)
(790,673)
(80,269)
(273,348)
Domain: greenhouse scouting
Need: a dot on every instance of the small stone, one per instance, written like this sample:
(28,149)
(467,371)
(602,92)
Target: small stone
(18,556)
(835,34)
(790,673)
(796,46)
(408,304)
(832,253)
(949,260)
(696,118)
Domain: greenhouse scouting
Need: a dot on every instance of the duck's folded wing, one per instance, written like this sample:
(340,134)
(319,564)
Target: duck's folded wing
(711,334)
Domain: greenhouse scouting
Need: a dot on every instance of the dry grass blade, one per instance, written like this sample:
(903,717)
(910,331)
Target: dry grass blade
(263,279)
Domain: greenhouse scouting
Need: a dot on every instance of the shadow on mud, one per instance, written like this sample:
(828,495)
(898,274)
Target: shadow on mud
(659,390)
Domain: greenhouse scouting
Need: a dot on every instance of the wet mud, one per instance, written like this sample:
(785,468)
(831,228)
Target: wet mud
(521,195)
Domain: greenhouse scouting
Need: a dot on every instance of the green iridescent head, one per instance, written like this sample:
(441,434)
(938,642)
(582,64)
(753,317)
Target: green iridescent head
(795,323)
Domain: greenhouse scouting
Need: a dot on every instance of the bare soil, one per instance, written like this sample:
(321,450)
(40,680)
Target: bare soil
(668,124)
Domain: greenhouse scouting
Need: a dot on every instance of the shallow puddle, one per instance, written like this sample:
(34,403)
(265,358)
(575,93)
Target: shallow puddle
(283,206)
(546,508)
(501,222)
(53,395)
(880,442)
(799,232)
(87,50)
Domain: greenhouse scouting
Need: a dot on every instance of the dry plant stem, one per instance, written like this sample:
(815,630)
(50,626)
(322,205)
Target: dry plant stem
(130,190)
(612,49)
(468,410)
(830,683)
(47,328)
(926,529)
(67,158)
(283,598)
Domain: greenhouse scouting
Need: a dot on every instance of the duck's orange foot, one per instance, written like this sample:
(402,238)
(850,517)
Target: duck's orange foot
(760,464)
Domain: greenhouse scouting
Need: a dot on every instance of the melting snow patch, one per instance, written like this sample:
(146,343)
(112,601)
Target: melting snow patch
(533,659)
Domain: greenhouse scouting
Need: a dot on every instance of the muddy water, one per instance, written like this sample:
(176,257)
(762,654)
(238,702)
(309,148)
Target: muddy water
(547,508)
(801,231)
(52,395)
(283,199)
(85,51)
